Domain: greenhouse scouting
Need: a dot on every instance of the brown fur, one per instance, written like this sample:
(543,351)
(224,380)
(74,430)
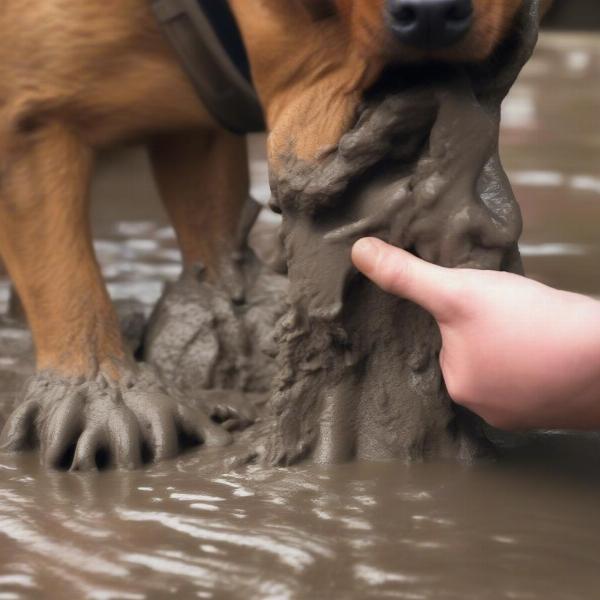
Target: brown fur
(312,67)
(78,75)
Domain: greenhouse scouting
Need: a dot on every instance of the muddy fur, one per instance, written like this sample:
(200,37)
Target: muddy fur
(359,373)
(100,422)
(199,339)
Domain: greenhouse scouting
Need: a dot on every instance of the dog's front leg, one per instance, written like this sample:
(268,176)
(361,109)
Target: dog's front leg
(88,400)
(203,180)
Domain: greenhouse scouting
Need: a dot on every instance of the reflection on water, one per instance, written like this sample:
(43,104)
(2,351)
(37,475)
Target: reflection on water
(353,531)
(551,149)
(521,528)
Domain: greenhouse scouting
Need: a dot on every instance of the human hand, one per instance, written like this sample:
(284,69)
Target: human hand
(520,354)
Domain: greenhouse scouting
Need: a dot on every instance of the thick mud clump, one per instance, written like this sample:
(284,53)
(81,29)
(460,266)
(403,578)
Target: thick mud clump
(220,336)
(358,369)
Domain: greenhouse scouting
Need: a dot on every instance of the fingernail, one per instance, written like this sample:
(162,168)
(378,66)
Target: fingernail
(367,246)
(365,252)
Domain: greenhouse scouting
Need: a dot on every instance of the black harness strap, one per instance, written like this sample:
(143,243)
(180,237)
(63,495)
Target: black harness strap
(205,35)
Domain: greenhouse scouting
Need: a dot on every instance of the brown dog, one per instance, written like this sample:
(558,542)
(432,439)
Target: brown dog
(76,76)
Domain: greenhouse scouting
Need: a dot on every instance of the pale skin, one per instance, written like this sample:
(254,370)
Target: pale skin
(520,354)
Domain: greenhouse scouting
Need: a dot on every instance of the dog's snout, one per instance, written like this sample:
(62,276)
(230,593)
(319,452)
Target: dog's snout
(429,24)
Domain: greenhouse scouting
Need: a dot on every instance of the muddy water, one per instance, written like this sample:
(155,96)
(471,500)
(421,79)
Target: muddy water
(523,527)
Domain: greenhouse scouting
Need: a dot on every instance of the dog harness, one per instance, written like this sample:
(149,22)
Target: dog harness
(207,39)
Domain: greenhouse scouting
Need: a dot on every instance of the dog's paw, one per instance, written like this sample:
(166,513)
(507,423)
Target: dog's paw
(84,425)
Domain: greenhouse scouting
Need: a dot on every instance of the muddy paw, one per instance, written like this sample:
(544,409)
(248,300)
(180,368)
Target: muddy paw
(90,424)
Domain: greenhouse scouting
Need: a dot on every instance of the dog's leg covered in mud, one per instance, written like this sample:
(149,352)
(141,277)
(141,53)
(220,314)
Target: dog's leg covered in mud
(211,334)
(359,370)
(89,400)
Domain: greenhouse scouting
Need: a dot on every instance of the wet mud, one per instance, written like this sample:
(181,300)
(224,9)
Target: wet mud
(201,336)
(359,372)
(523,526)
(82,424)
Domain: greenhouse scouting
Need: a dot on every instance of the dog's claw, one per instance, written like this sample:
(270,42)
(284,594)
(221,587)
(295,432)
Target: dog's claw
(15,434)
(86,451)
(156,413)
(61,429)
(126,445)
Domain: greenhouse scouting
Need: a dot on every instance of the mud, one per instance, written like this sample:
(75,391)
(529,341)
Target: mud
(359,374)
(203,336)
(83,424)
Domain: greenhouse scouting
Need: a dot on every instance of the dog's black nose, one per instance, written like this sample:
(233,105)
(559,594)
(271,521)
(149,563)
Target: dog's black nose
(429,24)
